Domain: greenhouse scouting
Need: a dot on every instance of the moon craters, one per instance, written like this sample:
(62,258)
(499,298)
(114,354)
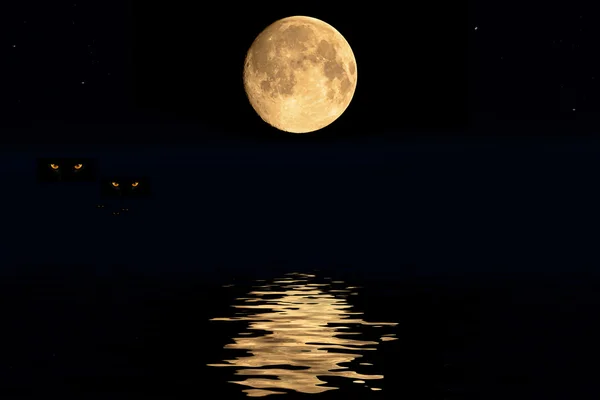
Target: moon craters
(300,74)
(332,67)
(294,37)
(275,56)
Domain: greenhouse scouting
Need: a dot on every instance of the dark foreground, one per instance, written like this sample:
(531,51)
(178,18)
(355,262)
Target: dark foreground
(78,332)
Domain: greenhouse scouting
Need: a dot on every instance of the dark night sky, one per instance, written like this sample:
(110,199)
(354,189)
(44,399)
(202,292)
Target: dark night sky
(472,131)
(100,62)
(458,69)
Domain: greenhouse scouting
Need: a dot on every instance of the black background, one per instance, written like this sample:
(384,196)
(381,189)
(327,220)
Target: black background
(424,71)
(459,188)
(182,64)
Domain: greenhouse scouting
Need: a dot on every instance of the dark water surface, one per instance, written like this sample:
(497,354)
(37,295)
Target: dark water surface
(326,332)
(77,331)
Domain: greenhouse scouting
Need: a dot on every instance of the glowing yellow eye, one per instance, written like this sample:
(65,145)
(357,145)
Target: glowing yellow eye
(115,184)
(54,166)
(78,166)
(135,184)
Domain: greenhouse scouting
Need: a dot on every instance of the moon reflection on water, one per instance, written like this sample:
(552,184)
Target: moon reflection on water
(297,332)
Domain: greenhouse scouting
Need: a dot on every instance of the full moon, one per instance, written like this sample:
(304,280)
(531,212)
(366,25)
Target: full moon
(300,74)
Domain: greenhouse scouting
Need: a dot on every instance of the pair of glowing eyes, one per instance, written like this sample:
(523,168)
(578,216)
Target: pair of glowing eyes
(116,184)
(76,166)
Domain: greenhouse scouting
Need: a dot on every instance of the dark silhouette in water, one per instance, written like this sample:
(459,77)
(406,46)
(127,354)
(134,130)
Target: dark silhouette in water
(114,209)
(120,190)
(66,170)
(125,187)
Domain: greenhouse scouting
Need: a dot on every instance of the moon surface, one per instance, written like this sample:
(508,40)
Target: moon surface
(300,74)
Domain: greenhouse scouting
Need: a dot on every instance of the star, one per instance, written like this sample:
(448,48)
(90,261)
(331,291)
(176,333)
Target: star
(83,82)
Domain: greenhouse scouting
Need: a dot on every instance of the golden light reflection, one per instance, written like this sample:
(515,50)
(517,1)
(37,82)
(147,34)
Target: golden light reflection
(300,333)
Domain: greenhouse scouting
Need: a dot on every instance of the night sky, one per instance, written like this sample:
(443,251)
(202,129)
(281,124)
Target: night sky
(471,128)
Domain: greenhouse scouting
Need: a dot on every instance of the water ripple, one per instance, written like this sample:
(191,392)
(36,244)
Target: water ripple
(297,334)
